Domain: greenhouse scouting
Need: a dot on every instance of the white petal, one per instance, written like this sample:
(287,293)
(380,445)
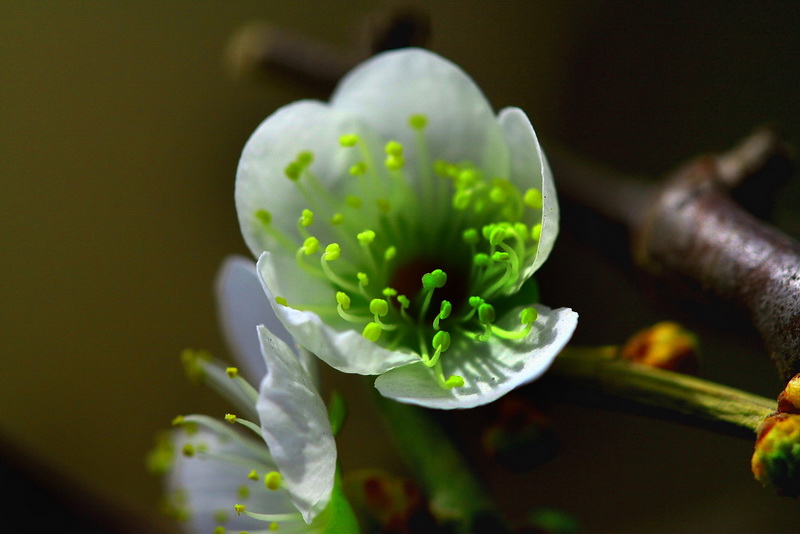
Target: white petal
(336,343)
(242,305)
(490,370)
(211,485)
(295,425)
(386,89)
(261,183)
(529,168)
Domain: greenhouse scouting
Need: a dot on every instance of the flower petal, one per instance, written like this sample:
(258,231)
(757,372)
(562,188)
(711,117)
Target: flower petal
(529,168)
(261,182)
(490,370)
(387,89)
(336,342)
(242,305)
(294,423)
(210,486)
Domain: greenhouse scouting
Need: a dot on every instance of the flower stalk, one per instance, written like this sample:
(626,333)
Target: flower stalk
(701,400)
(456,497)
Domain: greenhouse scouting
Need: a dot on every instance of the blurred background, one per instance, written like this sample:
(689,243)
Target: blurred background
(121,125)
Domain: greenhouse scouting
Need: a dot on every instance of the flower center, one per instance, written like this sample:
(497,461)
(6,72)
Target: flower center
(420,256)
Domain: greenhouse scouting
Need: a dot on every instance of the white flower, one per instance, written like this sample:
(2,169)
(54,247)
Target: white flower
(280,473)
(397,229)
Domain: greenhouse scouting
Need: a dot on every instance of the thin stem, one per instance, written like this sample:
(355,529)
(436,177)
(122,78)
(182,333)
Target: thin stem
(687,395)
(456,496)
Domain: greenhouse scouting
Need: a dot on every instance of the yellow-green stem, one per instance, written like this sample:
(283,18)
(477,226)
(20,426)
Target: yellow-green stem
(601,368)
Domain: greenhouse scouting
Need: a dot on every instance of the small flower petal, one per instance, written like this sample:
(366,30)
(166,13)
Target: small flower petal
(490,370)
(387,89)
(241,306)
(529,168)
(295,425)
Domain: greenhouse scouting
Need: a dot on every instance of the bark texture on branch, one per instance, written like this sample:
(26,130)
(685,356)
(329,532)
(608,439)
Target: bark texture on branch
(689,228)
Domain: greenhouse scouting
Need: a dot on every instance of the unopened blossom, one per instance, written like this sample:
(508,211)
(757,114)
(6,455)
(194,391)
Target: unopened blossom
(276,470)
(398,228)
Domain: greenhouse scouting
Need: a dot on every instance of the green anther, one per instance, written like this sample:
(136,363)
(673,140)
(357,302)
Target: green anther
(343,299)
(441,341)
(332,252)
(358,169)
(394,163)
(281,301)
(467,178)
(232,372)
(293,171)
(221,516)
(372,332)
(389,292)
(378,307)
(229,417)
(352,201)
(243,492)
(444,312)
(445,309)
(521,229)
(418,121)
(390,253)
(497,235)
(486,313)
(404,302)
(188,450)
(348,140)
(536,232)
(462,198)
(307,218)
(363,279)
(501,256)
(528,316)
(219,530)
(366,237)
(498,195)
(337,219)
(273,480)
(252,475)
(393,148)
(471,236)
(178,420)
(533,199)
(383,205)
(264,217)
(435,279)
(310,245)
(454,381)
(305,158)
(442,168)
(481,259)
(273,526)
(475,301)
(240,508)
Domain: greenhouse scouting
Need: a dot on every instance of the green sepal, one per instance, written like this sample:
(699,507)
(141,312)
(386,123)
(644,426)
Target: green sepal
(337,412)
(338,517)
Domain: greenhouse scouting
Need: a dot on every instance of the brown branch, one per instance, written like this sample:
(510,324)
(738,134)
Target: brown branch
(262,47)
(688,227)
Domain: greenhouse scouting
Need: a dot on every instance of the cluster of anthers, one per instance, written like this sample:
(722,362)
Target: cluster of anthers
(421,267)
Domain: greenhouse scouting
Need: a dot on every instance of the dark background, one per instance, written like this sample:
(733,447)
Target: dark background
(120,132)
